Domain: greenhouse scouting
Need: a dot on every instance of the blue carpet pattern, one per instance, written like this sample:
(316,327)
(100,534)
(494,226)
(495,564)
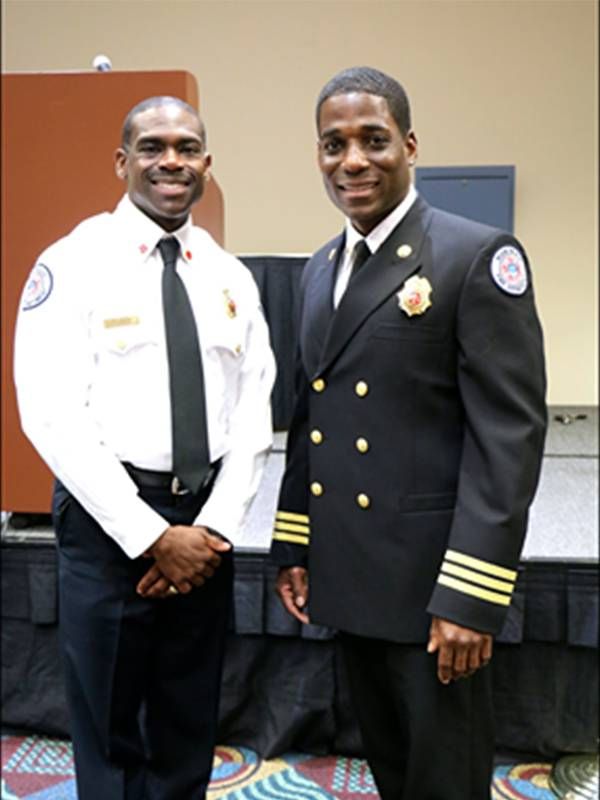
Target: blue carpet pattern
(38,768)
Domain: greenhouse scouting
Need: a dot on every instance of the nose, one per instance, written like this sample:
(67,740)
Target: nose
(170,158)
(355,159)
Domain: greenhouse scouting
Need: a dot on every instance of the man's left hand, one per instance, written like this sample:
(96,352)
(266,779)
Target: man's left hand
(461,651)
(154,584)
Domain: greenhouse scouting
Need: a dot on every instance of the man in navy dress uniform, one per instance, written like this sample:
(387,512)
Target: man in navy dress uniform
(414,451)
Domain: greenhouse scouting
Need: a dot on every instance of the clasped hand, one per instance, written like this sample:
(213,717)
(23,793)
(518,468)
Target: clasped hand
(185,556)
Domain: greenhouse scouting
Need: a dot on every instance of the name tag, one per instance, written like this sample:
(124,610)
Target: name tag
(121,321)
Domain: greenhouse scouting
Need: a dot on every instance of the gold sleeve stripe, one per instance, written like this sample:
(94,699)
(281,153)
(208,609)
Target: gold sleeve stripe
(477,577)
(294,538)
(287,526)
(290,517)
(474,591)
(482,566)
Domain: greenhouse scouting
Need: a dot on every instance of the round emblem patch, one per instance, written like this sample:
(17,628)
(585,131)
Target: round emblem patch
(508,270)
(38,287)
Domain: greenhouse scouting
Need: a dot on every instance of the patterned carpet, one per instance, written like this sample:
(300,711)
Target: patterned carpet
(36,768)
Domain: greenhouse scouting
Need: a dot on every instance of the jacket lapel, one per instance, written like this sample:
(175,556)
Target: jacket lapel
(318,302)
(381,276)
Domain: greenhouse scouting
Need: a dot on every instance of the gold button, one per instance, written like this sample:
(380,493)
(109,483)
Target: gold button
(316,436)
(318,385)
(363,500)
(362,445)
(316,489)
(404,251)
(361,388)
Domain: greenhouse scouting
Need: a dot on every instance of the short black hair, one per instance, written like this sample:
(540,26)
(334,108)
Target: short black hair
(371,81)
(157,102)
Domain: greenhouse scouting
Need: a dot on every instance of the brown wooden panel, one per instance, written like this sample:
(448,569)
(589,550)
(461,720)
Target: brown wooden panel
(59,134)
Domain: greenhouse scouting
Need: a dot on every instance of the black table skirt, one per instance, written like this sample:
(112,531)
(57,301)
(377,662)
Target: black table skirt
(284,686)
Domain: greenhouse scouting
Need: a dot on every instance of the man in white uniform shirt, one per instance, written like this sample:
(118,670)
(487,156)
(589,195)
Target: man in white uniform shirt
(145,561)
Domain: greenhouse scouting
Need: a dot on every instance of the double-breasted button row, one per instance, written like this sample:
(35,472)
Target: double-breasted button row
(361,444)
(361,388)
(362,500)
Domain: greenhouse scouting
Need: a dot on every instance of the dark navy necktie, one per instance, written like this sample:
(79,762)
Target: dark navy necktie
(361,254)
(191,457)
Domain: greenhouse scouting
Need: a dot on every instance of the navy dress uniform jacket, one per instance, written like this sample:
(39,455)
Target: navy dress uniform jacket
(416,442)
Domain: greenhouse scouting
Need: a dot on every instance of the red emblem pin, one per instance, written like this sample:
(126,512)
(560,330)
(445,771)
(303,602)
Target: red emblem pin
(188,254)
(143,249)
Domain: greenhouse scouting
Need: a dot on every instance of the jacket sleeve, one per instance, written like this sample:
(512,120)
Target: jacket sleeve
(291,534)
(501,378)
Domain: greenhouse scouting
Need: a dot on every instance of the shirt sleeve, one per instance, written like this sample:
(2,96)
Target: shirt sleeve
(502,382)
(54,364)
(250,430)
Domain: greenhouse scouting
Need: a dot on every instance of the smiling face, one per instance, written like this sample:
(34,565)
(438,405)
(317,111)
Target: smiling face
(364,157)
(164,164)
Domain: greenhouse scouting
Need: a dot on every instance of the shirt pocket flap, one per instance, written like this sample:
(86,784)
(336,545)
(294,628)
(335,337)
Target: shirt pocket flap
(223,335)
(123,339)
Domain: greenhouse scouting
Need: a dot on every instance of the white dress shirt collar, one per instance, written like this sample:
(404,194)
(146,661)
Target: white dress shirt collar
(144,234)
(381,232)
(374,241)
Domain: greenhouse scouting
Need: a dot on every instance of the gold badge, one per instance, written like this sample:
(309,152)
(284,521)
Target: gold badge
(230,305)
(404,251)
(414,296)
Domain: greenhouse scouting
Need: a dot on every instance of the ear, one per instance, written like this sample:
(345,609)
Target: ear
(411,146)
(121,164)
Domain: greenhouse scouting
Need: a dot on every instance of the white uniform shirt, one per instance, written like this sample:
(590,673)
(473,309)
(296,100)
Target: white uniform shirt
(374,241)
(91,369)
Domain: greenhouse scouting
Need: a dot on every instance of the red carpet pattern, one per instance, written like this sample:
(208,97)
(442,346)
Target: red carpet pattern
(37,768)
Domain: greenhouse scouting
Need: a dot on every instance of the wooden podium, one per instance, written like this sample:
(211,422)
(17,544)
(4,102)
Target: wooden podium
(59,134)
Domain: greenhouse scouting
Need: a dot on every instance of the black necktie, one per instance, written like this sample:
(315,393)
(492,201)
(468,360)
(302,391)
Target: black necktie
(191,459)
(361,254)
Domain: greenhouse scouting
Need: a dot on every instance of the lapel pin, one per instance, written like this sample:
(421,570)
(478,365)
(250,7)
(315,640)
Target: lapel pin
(230,305)
(404,251)
(414,296)
(331,255)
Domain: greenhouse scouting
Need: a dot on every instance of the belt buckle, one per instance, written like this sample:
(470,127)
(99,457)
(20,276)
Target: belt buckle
(177,487)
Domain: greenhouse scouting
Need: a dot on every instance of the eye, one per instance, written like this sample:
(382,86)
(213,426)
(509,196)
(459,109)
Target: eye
(191,149)
(331,146)
(378,141)
(149,148)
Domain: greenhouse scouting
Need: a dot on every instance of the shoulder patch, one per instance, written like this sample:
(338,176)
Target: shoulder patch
(38,287)
(508,270)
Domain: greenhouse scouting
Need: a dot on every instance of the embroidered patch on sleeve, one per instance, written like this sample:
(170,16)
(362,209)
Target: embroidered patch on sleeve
(508,270)
(38,287)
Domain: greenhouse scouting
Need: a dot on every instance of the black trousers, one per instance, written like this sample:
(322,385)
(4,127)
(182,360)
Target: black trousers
(423,740)
(142,676)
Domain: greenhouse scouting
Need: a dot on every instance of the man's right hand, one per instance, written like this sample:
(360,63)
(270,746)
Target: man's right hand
(187,555)
(292,588)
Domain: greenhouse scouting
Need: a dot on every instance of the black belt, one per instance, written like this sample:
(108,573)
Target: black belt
(152,479)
